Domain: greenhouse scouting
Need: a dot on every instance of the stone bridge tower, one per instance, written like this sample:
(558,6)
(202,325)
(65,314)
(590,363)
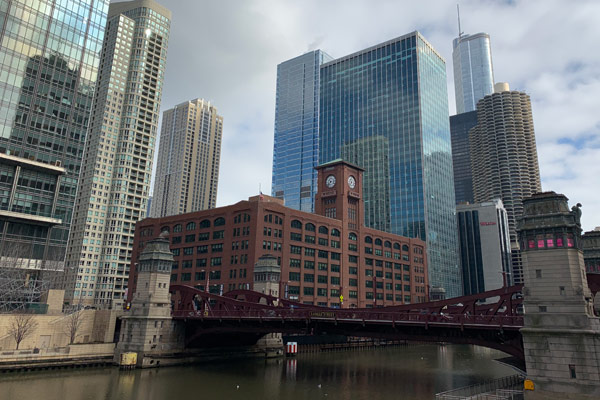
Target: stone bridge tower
(149,329)
(267,280)
(561,335)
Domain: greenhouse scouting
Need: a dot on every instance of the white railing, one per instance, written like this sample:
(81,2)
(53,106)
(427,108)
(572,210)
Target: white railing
(505,388)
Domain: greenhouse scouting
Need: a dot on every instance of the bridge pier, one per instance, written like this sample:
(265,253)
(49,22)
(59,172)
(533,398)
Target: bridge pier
(561,335)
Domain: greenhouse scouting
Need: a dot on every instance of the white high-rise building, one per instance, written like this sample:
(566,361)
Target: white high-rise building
(187,173)
(117,165)
(473,71)
(504,155)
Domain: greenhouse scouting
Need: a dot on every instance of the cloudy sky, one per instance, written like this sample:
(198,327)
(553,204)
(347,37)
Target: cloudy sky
(227,51)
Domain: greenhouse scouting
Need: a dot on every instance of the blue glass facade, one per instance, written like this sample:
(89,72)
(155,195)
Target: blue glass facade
(460,125)
(49,56)
(473,71)
(396,92)
(296,143)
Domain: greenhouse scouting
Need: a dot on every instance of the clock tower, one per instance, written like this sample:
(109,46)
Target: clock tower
(339,193)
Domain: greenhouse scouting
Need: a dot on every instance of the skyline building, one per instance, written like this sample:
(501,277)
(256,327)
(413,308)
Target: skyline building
(504,154)
(473,70)
(460,125)
(115,178)
(189,155)
(49,61)
(296,139)
(395,94)
(484,246)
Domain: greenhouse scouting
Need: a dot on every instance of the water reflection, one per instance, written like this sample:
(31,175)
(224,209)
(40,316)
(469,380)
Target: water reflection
(404,373)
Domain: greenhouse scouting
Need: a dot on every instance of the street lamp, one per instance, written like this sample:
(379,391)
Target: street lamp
(206,290)
(207,279)
(504,278)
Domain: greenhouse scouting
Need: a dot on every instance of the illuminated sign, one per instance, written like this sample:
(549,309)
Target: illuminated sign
(487,223)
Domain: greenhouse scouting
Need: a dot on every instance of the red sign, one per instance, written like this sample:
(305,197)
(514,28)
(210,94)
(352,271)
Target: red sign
(487,223)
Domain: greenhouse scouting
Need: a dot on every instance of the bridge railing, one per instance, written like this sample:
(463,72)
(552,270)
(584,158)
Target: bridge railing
(349,315)
(491,389)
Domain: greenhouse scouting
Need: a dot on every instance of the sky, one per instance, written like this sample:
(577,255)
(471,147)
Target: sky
(227,52)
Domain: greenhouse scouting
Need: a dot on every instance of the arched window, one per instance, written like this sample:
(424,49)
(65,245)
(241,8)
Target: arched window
(205,224)
(165,229)
(335,232)
(296,224)
(177,228)
(387,244)
(323,230)
(368,239)
(396,246)
(352,236)
(404,247)
(378,242)
(190,226)
(309,227)
(220,221)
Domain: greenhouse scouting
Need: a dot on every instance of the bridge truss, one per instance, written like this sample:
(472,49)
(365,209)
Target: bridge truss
(491,319)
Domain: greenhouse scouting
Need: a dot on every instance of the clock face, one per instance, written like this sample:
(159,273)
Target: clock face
(330,181)
(351,182)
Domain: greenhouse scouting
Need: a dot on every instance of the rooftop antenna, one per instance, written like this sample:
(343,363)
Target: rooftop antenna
(460,33)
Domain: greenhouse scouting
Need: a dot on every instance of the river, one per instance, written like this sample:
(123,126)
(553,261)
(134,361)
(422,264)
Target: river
(414,372)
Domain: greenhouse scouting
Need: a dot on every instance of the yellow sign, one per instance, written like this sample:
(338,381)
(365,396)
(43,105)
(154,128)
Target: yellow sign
(528,385)
(341,298)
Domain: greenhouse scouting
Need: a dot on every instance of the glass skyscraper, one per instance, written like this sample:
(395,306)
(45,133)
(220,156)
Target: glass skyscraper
(395,93)
(460,125)
(296,143)
(49,57)
(473,72)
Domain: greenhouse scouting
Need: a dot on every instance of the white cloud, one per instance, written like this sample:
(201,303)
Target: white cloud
(228,51)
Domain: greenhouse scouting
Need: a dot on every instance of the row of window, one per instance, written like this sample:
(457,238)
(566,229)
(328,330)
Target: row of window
(310,227)
(212,275)
(352,294)
(311,239)
(188,251)
(550,241)
(272,232)
(310,252)
(199,276)
(190,226)
(241,218)
(308,264)
(275,219)
(201,237)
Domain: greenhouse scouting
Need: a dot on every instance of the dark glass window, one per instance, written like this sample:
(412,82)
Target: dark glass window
(220,221)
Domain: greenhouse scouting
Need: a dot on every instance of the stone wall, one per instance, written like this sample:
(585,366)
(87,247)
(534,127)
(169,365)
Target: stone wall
(52,330)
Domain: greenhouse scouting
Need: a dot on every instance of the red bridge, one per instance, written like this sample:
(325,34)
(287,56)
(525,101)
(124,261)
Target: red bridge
(491,319)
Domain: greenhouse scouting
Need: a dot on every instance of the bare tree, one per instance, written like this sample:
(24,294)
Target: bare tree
(20,284)
(22,326)
(73,325)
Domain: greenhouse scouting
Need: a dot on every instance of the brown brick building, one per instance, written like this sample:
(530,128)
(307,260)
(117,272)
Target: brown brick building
(323,256)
